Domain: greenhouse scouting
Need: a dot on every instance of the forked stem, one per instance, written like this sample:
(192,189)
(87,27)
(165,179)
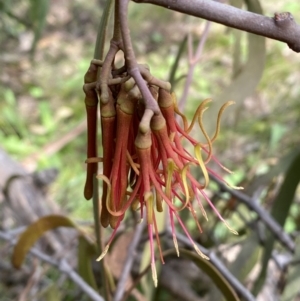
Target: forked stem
(130,60)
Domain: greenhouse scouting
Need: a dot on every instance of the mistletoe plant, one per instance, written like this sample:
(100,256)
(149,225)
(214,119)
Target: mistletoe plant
(145,159)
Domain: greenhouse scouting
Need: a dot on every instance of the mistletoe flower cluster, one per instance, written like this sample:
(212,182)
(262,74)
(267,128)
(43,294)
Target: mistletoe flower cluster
(145,161)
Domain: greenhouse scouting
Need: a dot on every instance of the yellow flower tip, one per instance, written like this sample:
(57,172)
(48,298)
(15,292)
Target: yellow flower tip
(234,232)
(176,245)
(200,253)
(227,170)
(238,187)
(170,170)
(172,136)
(103,253)
(135,205)
(204,214)
(183,174)
(231,229)
(230,102)
(140,221)
(154,274)
(197,150)
(235,187)
(148,196)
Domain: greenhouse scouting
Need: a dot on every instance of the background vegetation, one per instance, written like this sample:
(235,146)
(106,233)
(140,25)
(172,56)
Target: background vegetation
(45,51)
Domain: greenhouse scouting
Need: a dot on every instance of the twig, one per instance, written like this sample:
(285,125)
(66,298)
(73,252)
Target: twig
(193,60)
(131,63)
(239,288)
(62,266)
(128,263)
(282,27)
(264,216)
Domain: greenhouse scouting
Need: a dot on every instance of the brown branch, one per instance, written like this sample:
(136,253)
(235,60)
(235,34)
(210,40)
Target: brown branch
(282,27)
(233,281)
(131,63)
(263,215)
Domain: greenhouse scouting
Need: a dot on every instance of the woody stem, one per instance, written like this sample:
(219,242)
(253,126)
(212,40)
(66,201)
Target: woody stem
(131,63)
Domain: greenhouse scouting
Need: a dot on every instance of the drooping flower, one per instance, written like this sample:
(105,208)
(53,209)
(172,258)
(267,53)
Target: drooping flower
(145,166)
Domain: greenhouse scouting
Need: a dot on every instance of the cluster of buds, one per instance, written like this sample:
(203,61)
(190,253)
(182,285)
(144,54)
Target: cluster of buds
(146,158)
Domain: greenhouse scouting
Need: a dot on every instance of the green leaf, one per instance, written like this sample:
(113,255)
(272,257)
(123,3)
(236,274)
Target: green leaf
(281,167)
(33,232)
(86,251)
(247,257)
(277,131)
(38,13)
(102,30)
(46,116)
(175,65)
(210,271)
(291,290)
(280,211)
(245,82)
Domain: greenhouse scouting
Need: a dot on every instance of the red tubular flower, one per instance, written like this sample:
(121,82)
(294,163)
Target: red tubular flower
(91,104)
(146,166)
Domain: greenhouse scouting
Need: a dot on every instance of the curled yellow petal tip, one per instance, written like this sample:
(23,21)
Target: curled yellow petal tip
(200,253)
(176,245)
(185,186)
(231,229)
(148,196)
(103,253)
(235,187)
(201,164)
(154,274)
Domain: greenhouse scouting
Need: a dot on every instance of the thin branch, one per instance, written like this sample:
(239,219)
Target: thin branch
(282,27)
(128,263)
(62,266)
(131,63)
(234,282)
(193,61)
(264,216)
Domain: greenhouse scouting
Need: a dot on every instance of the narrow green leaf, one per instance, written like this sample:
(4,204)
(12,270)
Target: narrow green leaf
(210,271)
(291,290)
(102,29)
(38,14)
(86,251)
(33,232)
(174,66)
(280,211)
(247,257)
(248,77)
(281,167)
(277,131)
